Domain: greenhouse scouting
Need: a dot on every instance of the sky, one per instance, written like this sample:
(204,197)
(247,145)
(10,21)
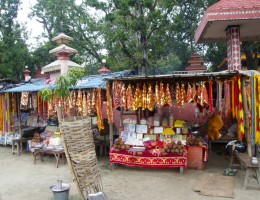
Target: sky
(32,26)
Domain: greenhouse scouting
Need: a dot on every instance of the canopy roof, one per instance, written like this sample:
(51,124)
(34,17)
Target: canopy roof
(243,13)
(185,77)
(88,82)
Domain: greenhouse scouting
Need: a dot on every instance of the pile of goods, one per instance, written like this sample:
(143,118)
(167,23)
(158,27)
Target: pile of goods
(36,138)
(120,144)
(173,147)
(194,141)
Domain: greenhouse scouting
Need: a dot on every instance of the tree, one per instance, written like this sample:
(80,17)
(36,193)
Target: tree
(14,53)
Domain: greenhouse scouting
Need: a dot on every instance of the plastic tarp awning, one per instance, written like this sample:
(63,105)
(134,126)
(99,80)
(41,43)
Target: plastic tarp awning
(33,85)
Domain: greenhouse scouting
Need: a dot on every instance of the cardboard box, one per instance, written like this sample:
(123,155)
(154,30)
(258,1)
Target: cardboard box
(195,157)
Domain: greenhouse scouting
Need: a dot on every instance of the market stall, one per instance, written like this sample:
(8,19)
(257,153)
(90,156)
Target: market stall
(159,114)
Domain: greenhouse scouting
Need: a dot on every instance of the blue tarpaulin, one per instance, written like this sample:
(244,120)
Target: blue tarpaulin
(88,82)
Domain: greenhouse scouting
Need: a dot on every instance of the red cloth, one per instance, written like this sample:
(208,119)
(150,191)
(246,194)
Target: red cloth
(148,159)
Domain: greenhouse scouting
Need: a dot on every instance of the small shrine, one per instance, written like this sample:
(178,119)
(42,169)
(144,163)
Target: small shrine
(196,64)
(62,52)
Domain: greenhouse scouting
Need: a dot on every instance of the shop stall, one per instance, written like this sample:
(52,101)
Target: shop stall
(168,119)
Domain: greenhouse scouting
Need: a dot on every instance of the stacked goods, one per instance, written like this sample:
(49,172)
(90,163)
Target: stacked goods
(173,148)
(120,144)
(194,141)
(36,138)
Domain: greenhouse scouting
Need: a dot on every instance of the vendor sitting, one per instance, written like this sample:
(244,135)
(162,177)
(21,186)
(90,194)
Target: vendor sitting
(214,125)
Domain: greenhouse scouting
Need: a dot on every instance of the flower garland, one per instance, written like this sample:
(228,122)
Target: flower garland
(144,97)
(168,98)
(123,97)
(84,104)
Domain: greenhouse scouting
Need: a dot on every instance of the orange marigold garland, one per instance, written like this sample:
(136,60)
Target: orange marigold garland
(117,93)
(162,94)
(109,104)
(194,92)
(204,94)
(89,102)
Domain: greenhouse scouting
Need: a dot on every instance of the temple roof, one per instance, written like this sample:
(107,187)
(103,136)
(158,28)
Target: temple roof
(63,48)
(56,66)
(62,38)
(243,13)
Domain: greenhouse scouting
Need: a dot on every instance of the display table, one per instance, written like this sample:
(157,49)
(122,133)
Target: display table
(37,154)
(148,159)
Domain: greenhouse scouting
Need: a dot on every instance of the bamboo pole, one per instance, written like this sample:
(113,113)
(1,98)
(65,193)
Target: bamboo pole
(59,114)
(246,118)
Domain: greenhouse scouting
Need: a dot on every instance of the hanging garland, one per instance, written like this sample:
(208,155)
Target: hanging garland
(1,111)
(150,98)
(240,132)
(129,97)
(189,94)
(123,97)
(144,97)
(178,94)
(84,104)
(79,101)
(168,98)
(257,108)
(157,95)
(109,104)
(137,98)
(99,109)
(210,96)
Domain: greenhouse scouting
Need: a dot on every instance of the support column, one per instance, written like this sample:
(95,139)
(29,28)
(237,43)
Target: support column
(233,47)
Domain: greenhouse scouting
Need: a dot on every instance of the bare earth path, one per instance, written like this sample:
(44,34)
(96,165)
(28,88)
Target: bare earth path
(20,179)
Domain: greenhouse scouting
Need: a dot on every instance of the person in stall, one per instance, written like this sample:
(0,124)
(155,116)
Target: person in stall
(214,125)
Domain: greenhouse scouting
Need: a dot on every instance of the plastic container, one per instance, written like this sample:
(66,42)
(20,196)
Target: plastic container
(60,190)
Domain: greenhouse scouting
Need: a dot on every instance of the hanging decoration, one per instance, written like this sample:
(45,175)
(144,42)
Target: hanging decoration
(194,92)
(183,94)
(227,97)
(189,94)
(178,94)
(144,97)
(204,94)
(1,111)
(219,96)
(123,97)
(137,98)
(24,100)
(98,105)
(168,98)
(157,94)
(129,97)
(89,102)
(199,96)
(109,104)
(240,131)
(257,108)
(150,98)
(117,94)
(162,94)
(79,101)
(210,96)
(84,104)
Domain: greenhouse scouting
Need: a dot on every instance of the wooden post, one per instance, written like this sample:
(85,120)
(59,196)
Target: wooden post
(111,134)
(246,118)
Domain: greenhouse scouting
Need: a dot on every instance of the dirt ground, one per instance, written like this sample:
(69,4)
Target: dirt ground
(21,179)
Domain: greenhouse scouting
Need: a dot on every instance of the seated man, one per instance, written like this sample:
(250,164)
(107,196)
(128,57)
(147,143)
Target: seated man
(214,125)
